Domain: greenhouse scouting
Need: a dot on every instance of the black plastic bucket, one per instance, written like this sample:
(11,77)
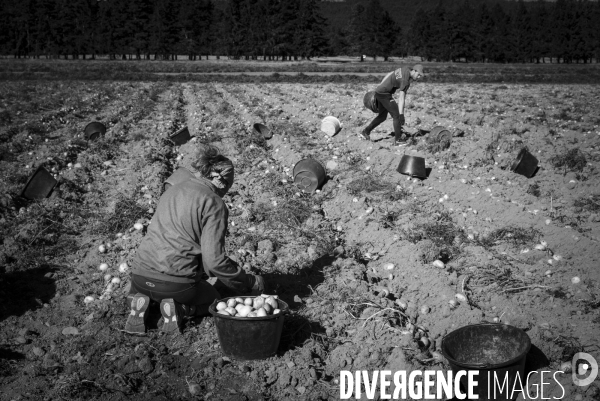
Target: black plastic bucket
(181,136)
(94,130)
(248,338)
(180,175)
(263,130)
(370,102)
(413,166)
(498,351)
(308,174)
(39,185)
(442,136)
(525,164)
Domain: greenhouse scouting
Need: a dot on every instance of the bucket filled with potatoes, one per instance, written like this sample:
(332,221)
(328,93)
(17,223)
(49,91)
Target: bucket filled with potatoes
(249,327)
(260,306)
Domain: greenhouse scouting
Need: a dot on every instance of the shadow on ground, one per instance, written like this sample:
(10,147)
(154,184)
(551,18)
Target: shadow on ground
(27,290)
(290,287)
(7,359)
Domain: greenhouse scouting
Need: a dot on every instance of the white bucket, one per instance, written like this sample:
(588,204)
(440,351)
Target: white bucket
(331,125)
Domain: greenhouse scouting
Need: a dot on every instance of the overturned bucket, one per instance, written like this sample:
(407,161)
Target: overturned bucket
(309,175)
(94,130)
(180,136)
(39,185)
(180,175)
(413,166)
(442,135)
(525,164)
(331,125)
(263,130)
(249,338)
(498,351)
(370,102)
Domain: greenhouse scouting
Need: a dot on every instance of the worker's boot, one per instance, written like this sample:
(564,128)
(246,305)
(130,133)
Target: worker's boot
(136,321)
(172,314)
(400,138)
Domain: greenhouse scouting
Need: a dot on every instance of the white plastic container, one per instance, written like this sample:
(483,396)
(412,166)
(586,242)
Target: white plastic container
(331,125)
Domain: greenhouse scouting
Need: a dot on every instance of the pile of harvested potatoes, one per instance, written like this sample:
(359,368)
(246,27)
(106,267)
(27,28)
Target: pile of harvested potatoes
(263,305)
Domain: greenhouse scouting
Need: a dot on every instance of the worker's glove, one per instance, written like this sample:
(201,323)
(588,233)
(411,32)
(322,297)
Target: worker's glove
(260,285)
(401,119)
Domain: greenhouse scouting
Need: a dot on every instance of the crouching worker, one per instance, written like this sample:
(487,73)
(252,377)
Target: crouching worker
(185,239)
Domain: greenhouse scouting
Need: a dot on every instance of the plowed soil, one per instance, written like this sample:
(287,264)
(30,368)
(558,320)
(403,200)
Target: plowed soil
(354,260)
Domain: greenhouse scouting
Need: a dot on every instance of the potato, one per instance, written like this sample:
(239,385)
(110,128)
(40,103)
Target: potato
(261,312)
(231,302)
(273,302)
(224,312)
(231,311)
(258,302)
(276,311)
(244,311)
(248,301)
(238,307)
(221,306)
(239,300)
(268,308)
(252,314)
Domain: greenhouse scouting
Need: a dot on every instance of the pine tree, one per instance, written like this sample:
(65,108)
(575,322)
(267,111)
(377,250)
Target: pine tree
(203,32)
(74,17)
(438,21)
(459,31)
(500,48)
(269,36)
(358,31)
(339,42)
(233,29)
(19,27)
(392,34)
(419,34)
(562,21)
(540,31)
(286,28)
(311,40)
(595,32)
(521,34)
(483,28)
(580,39)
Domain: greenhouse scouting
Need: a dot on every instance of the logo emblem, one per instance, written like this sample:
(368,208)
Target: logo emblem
(590,365)
(149,284)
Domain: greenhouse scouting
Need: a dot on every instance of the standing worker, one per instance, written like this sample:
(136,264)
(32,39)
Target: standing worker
(398,79)
(185,239)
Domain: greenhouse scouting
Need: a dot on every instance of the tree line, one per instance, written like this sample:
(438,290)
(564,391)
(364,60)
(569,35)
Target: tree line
(161,29)
(563,31)
(560,31)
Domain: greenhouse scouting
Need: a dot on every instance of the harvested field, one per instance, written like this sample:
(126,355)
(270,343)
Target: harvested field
(323,253)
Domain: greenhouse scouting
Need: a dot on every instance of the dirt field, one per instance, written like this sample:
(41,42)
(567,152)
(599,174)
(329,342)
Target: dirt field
(521,251)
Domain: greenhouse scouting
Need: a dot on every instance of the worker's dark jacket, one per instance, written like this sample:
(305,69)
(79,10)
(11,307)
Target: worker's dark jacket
(187,233)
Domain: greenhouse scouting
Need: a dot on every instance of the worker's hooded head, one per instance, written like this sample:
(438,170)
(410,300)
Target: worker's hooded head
(216,168)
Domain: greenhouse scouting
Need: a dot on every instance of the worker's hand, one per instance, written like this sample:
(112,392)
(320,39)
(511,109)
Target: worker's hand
(260,285)
(402,120)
